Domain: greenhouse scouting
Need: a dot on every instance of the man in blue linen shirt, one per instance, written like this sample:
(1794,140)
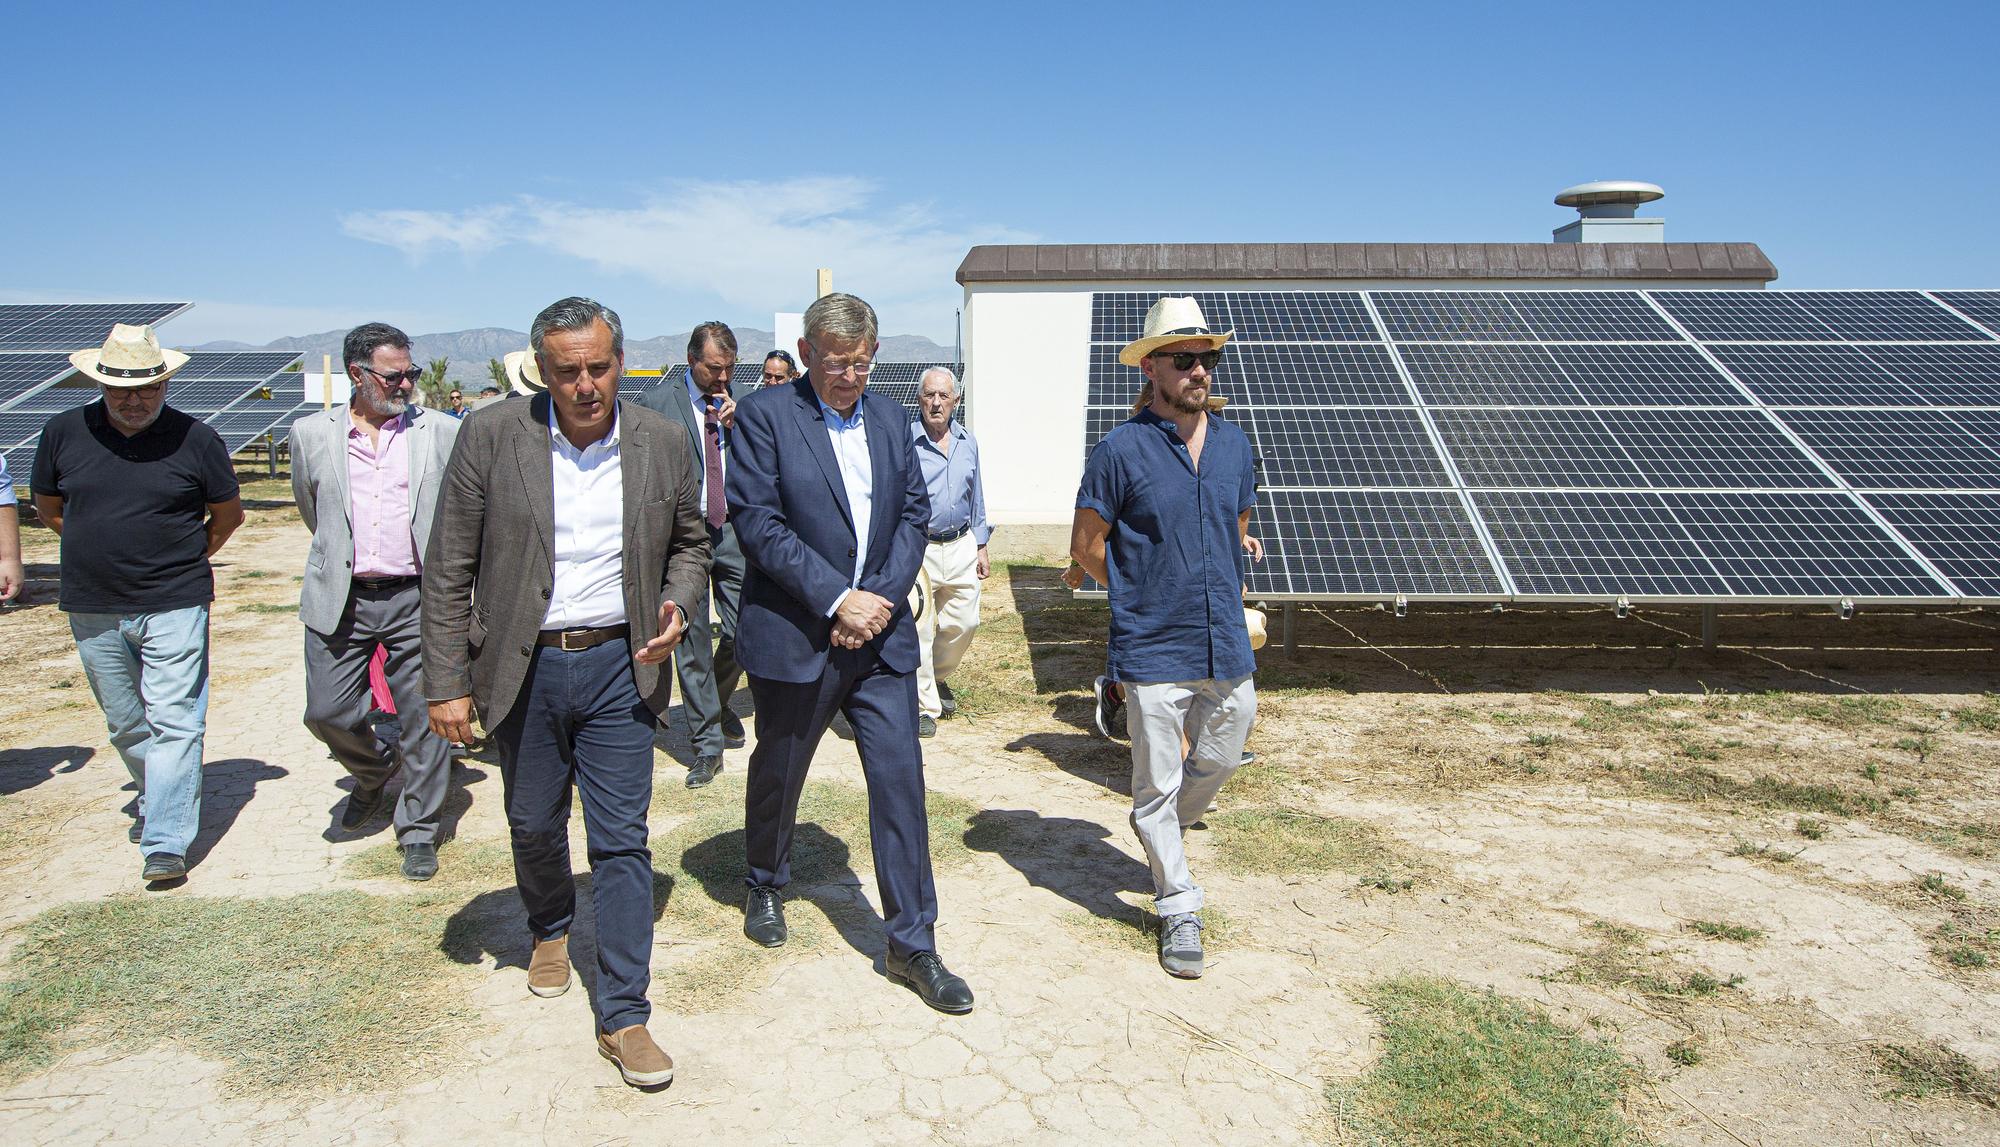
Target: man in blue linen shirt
(955,561)
(1160,518)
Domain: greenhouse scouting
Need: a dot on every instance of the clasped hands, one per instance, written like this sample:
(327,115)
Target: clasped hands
(861,616)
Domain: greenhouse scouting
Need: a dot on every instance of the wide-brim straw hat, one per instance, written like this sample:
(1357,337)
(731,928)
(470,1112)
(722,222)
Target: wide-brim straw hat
(1173,319)
(1253,620)
(523,372)
(131,357)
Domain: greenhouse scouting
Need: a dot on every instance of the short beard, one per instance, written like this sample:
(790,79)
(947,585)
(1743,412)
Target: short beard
(375,402)
(129,426)
(1187,405)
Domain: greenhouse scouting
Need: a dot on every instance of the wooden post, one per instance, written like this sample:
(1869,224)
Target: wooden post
(271,454)
(1291,642)
(1708,627)
(825,282)
(326,380)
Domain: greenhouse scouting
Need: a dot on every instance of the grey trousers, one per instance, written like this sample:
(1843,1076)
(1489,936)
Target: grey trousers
(705,660)
(1169,791)
(337,704)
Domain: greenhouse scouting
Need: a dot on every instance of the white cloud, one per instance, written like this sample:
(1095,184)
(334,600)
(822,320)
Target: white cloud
(753,245)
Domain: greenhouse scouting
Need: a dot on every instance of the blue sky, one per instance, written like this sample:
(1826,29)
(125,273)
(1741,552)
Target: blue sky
(296,168)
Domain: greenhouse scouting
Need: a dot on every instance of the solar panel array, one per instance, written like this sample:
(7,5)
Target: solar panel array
(1703,445)
(897,380)
(74,326)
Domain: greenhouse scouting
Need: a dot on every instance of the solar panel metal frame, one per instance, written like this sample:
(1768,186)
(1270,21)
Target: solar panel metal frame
(75,326)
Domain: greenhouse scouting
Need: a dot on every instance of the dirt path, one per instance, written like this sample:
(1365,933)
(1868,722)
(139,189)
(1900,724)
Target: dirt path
(1548,844)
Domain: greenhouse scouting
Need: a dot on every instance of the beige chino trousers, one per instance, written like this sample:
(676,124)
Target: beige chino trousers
(945,630)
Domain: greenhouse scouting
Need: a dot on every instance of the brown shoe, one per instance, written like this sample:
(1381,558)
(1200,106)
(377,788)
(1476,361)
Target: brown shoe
(548,968)
(639,1059)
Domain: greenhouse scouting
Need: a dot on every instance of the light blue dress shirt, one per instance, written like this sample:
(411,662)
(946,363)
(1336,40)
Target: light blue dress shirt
(957,495)
(7,497)
(850,450)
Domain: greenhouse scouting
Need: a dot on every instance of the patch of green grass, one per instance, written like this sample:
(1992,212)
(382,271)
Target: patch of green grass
(1920,745)
(1686,1052)
(1935,884)
(1723,930)
(1690,984)
(1906,792)
(266,607)
(1461,1067)
(1701,784)
(1924,1070)
(1696,750)
(331,991)
(1842,712)
(1543,740)
(253,573)
(1268,841)
(1871,771)
(1812,828)
(476,865)
(1748,851)
(1383,882)
(1983,717)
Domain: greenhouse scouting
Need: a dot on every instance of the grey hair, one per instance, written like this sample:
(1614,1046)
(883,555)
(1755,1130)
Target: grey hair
(845,317)
(575,313)
(957,387)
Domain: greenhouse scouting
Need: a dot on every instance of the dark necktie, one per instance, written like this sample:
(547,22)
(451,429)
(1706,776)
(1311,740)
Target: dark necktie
(718,505)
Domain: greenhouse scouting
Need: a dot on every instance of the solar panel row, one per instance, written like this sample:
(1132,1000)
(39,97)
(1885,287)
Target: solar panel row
(1576,444)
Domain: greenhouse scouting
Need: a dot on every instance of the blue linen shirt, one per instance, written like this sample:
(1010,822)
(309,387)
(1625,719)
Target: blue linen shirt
(958,496)
(1176,582)
(849,437)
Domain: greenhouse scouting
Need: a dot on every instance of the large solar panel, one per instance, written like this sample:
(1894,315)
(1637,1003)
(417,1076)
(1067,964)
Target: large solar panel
(1118,317)
(1767,446)
(74,326)
(23,373)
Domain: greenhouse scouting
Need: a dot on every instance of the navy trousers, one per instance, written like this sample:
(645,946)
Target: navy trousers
(580,720)
(882,706)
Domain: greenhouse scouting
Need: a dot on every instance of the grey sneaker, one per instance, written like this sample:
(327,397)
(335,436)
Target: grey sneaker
(1180,945)
(1107,709)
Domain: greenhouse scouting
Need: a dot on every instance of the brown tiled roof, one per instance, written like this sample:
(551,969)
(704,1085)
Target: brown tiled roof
(1103,262)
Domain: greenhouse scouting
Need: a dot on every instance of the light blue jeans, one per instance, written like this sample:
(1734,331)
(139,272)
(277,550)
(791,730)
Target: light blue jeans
(149,672)
(1171,790)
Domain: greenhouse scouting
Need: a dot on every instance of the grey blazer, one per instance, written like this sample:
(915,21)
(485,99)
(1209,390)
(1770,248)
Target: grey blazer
(671,399)
(319,482)
(491,562)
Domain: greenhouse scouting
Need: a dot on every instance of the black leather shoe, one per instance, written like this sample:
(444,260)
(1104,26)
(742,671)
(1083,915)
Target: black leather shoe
(137,832)
(164,866)
(732,730)
(362,805)
(764,917)
(946,701)
(926,726)
(704,769)
(925,975)
(420,861)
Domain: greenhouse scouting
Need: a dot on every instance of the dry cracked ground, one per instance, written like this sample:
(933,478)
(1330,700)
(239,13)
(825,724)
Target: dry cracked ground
(1759,882)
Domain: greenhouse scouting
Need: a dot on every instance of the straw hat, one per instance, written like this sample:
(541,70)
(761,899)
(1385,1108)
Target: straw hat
(1173,319)
(1253,620)
(132,356)
(523,372)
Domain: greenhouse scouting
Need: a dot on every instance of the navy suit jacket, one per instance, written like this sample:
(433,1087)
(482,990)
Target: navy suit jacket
(793,522)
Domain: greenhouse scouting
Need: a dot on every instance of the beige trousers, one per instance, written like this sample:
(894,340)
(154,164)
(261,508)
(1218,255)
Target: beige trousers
(945,630)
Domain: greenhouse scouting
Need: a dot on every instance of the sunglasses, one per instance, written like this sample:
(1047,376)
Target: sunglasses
(396,377)
(1185,359)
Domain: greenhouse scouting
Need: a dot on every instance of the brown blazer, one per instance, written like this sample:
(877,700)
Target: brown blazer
(491,560)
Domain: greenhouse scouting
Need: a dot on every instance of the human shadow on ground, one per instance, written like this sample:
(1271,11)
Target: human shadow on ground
(23,769)
(457,802)
(495,923)
(1072,858)
(821,875)
(41,582)
(1086,756)
(227,787)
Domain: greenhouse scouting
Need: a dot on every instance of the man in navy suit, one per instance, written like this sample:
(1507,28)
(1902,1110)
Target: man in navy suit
(830,509)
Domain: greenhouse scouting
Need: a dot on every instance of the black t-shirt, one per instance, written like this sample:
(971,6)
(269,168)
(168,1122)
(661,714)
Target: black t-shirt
(135,536)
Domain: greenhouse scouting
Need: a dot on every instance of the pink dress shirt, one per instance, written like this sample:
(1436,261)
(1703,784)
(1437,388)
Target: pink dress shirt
(378,500)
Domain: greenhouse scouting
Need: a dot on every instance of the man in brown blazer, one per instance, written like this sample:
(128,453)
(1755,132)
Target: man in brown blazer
(568,549)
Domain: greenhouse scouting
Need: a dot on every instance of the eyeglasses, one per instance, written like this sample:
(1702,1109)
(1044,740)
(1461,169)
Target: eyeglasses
(396,377)
(859,369)
(1185,359)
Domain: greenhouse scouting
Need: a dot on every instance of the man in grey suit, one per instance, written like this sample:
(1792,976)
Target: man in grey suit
(568,554)
(366,476)
(706,661)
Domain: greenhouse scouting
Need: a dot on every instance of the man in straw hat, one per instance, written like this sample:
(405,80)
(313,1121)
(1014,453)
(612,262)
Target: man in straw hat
(1161,515)
(567,554)
(143,496)
(365,476)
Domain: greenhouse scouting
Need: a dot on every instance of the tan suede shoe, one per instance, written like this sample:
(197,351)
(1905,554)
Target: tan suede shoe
(639,1059)
(548,968)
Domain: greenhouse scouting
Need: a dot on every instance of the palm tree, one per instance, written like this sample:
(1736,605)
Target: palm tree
(433,383)
(498,370)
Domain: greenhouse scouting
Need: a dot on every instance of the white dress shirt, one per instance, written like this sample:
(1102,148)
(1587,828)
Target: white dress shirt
(850,449)
(590,531)
(700,403)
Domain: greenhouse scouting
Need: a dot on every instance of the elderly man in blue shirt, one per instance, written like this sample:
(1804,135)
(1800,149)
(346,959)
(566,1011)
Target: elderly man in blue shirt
(1163,511)
(955,561)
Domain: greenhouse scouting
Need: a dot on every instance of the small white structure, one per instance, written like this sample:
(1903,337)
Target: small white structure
(1027,319)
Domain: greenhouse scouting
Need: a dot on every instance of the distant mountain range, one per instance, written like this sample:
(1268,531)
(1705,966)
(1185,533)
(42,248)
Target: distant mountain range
(468,351)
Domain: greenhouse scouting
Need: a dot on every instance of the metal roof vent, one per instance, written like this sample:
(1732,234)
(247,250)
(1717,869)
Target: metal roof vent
(1607,213)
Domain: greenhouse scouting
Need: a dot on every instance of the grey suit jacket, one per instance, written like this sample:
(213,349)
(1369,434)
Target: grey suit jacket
(319,484)
(491,563)
(671,399)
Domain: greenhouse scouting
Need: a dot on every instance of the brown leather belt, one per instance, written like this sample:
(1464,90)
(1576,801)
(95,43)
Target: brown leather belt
(578,640)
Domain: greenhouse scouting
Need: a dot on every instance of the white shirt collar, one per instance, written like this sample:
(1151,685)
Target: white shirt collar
(558,437)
